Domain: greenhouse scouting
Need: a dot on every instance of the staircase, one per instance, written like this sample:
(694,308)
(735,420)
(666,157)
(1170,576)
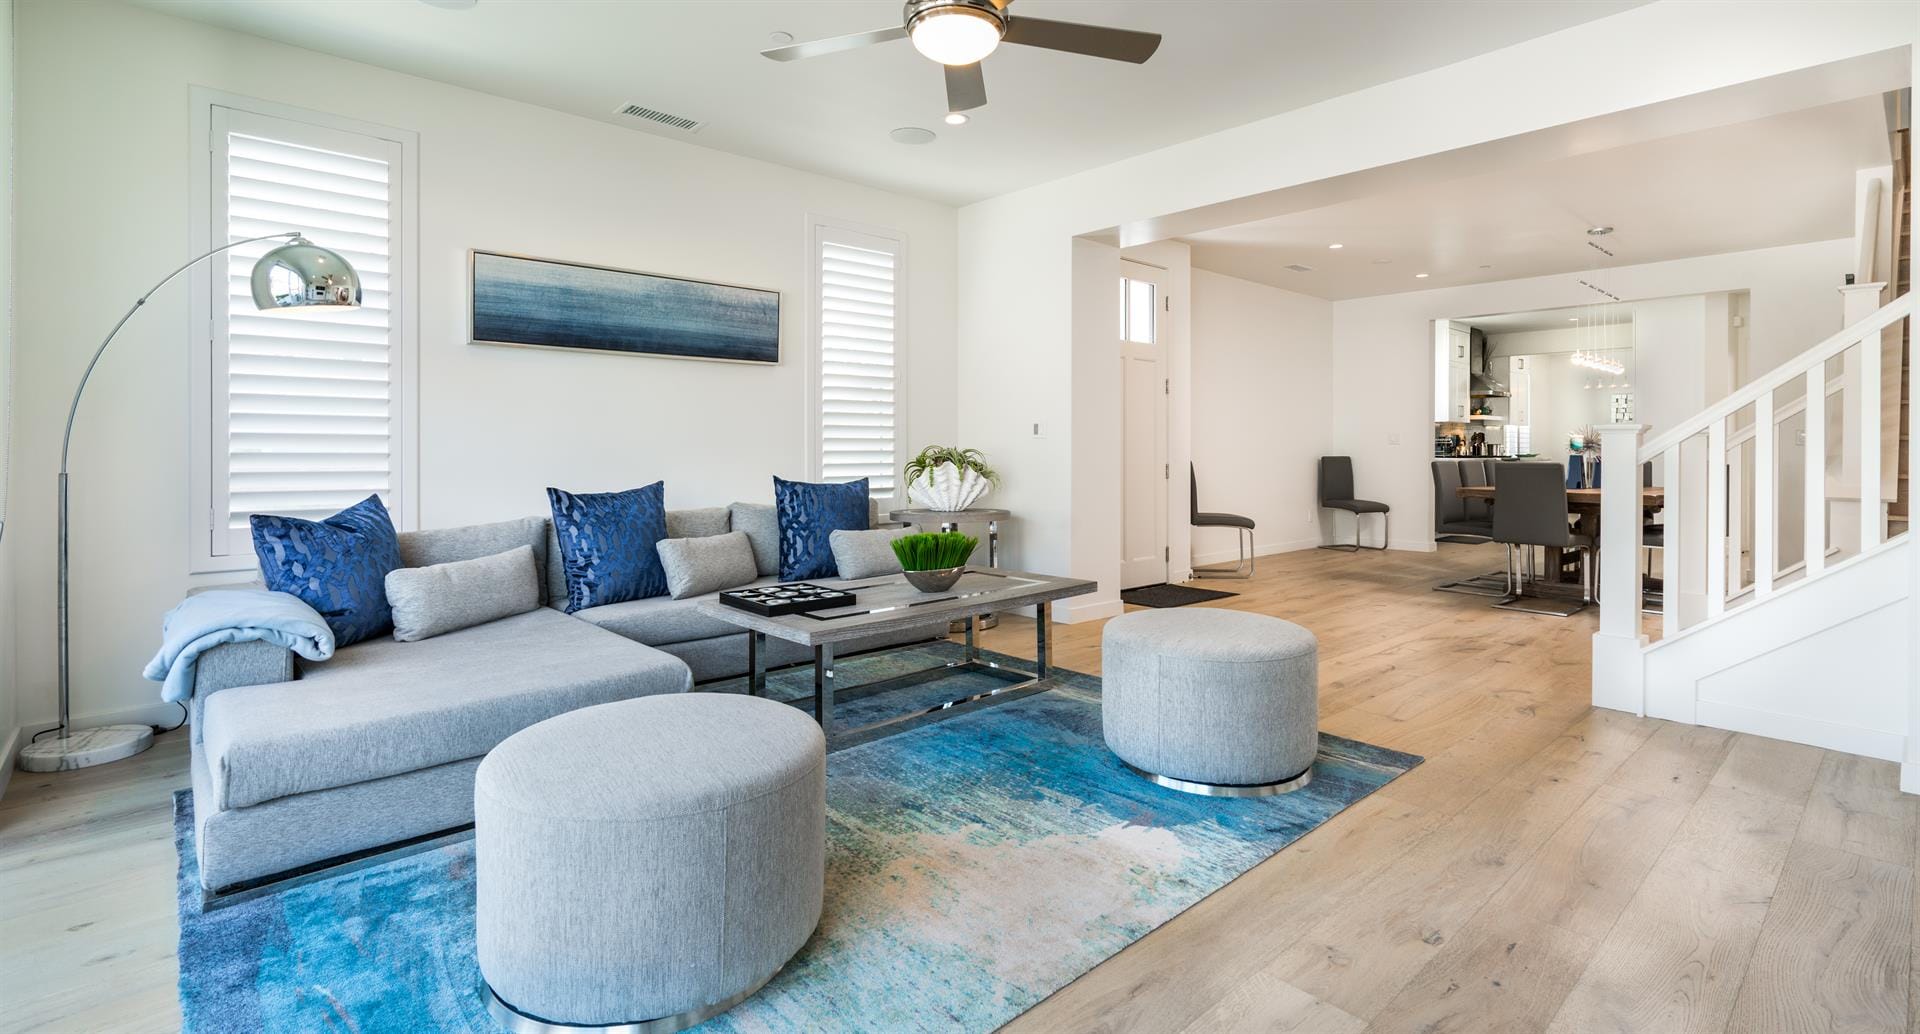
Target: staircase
(1817,651)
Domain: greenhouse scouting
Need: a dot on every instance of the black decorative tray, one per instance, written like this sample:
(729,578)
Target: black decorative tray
(789,598)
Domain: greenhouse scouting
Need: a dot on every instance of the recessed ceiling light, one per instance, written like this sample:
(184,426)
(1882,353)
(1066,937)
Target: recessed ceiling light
(1419,276)
(1335,247)
(1487,266)
(956,118)
(912,135)
(1599,231)
(779,38)
(450,5)
(1573,319)
(1382,262)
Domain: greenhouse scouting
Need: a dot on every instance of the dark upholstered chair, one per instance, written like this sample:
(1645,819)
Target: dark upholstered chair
(1465,520)
(1452,515)
(1336,493)
(1531,510)
(1243,527)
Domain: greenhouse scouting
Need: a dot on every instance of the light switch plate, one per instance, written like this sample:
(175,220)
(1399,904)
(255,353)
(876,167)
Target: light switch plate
(1393,438)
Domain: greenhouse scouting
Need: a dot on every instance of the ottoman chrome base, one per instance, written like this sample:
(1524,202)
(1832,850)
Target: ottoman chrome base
(1218,790)
(517,1022)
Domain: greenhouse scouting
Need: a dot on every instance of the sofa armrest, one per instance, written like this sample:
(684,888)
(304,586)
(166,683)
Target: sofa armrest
(230,665)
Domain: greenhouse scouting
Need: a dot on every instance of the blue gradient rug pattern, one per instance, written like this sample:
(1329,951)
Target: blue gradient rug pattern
(973,868)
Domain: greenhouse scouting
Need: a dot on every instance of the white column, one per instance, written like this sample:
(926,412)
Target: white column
(1619,673)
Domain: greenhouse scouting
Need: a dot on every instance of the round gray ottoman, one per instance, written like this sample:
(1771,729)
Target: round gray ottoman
(652,861)
(1218,702)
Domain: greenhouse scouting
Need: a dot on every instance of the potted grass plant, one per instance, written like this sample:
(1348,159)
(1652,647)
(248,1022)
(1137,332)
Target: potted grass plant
(934,561)
(949,478)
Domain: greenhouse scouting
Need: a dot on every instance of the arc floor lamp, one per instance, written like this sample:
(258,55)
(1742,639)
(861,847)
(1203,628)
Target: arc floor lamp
(296,275)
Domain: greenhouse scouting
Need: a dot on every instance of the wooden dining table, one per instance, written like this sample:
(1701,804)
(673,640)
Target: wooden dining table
(1583,503)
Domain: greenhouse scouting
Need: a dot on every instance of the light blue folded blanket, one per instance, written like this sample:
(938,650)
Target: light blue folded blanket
(209,619)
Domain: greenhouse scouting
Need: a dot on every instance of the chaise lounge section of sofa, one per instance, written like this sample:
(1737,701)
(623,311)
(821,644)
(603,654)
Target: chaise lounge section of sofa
(297,764)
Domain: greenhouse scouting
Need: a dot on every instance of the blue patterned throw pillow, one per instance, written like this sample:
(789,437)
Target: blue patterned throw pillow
(809,514)
(337,566)
(609,544)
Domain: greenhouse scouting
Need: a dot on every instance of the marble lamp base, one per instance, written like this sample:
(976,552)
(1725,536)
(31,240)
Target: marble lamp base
(84,748)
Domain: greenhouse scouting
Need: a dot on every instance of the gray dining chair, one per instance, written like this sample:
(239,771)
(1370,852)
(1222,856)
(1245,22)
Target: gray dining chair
(1530,509)
(1456,519)
(1336,493)
(1243,527)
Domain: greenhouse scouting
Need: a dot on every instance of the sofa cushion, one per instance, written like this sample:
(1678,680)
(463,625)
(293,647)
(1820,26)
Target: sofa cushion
(761,524)
(337,566)
(608,544)
(469,542)
(385,707)
(866,554)
(698,523)
(431,601)
(698,566)
(658,621)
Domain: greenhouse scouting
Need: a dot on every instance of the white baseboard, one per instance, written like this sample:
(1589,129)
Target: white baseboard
(1087,608)
(1260,549)
(9,749)
(158,713)
(1848,739)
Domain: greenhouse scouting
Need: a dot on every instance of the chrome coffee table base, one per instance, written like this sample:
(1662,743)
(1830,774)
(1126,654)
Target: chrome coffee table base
(1298,782)
(826,694)
(517,1022)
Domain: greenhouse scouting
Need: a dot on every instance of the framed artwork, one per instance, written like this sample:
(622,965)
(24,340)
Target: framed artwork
(543,303)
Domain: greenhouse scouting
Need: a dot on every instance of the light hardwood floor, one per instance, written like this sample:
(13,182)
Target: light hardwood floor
(1550,867)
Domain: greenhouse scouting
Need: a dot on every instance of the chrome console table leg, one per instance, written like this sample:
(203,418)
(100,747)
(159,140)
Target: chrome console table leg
(823,688)
(973,643)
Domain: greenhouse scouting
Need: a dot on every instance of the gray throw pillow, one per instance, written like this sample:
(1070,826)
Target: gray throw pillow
(866,554)
(431,601)
(761,524)
(707,564)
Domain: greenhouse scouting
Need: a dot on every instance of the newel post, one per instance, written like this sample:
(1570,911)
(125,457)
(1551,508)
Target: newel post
(1619,672)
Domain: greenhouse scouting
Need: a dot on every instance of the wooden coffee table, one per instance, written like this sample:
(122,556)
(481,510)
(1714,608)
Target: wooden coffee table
(889,604)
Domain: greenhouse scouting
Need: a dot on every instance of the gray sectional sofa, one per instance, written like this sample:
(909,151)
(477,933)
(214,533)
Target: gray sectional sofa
(298,764)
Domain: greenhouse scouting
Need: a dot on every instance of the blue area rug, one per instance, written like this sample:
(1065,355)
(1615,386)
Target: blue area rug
(973,868)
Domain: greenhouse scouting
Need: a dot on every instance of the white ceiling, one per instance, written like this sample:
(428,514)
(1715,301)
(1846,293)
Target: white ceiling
(1223,63)
(1785,179)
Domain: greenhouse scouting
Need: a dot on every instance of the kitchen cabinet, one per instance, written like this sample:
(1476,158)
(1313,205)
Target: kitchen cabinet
(1452,372)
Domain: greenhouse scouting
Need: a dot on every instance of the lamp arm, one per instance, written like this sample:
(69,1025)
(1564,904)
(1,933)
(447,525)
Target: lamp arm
(66,440)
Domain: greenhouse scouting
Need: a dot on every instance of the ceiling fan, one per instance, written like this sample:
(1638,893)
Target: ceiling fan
(960,33)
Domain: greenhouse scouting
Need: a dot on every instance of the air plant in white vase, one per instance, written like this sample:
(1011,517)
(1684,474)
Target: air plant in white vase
(948,478)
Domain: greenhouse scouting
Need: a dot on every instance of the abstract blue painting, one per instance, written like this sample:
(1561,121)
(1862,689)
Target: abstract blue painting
(524,301)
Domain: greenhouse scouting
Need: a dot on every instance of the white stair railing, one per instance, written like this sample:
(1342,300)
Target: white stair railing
(1683,569)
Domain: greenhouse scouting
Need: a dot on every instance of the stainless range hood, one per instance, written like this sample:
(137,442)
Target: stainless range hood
(1482,383)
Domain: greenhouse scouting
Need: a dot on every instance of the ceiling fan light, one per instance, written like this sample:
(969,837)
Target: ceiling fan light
(956,35)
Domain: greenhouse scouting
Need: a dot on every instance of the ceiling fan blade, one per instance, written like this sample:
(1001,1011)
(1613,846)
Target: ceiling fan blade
(966,87)
(1075,38)
(833,44)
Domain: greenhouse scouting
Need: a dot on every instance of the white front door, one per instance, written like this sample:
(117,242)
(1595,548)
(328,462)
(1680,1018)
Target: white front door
(1144,429)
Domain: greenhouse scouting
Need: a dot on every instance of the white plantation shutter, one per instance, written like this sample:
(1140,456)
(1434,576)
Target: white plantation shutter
(305,418)
(859,382)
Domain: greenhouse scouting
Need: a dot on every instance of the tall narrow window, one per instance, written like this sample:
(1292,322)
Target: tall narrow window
(858,350)
(303,407)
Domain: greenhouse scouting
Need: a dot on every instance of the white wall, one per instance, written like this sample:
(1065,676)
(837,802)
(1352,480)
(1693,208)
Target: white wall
(1383,367)
(1560,400)
(105,155)
(1261,405)
(1016,255)
(9,692)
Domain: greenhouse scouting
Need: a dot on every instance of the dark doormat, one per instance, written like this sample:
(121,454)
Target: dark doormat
(1164,595)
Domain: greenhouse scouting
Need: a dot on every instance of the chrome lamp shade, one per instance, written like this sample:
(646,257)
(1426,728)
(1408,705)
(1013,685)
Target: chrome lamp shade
(296,275)
(301,274)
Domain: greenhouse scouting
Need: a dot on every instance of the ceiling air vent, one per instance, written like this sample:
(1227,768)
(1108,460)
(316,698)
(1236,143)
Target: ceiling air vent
(1297,267)
(646,114)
